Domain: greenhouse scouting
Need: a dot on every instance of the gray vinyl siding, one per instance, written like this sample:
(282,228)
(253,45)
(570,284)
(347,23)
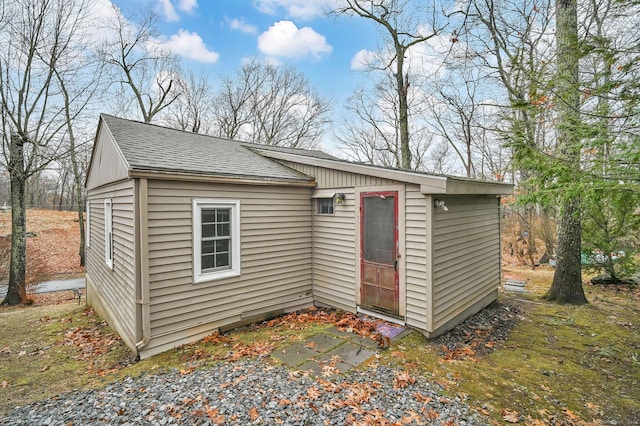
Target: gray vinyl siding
(334,244)
(107,163)
(329,178)
(115,289)
(334,237)
(416,260)
(334,257)
(275,229)
(466,254)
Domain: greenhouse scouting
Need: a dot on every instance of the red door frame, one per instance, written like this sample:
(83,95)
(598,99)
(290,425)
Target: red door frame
(371,194)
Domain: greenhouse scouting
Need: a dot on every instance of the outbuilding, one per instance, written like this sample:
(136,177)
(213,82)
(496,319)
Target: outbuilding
(189,234)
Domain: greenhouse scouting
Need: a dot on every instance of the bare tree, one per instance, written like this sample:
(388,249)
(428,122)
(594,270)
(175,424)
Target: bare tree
(270,105)
(193,110)
(232,101)
(140,64)
(370,131)
(39,36)
(512,41)
(77,91)
(405,24)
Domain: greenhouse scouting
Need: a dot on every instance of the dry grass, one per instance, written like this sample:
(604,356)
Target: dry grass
(52,253)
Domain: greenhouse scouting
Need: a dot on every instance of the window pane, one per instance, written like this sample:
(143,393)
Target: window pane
(208,215)
(207,261)
(207,247)
(208,230)
(222,259)
(222,215)
(222,246)
(325,205)
(223,230)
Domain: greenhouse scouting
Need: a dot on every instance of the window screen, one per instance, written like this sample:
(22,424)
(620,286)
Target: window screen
(379,229)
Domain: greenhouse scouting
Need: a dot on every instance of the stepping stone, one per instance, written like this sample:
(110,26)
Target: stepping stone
(349,353)
(294,355)
(340,333)
(515,285)
(324,368)
(323,342)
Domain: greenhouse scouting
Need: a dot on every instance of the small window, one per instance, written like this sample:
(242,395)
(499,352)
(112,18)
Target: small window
(108,234)
(216,239)
(324,205)
(87,224)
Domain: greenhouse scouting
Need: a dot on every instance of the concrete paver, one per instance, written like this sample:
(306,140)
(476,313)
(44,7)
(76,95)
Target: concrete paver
(330,352)
(294,355)
(350,353)
(323,342)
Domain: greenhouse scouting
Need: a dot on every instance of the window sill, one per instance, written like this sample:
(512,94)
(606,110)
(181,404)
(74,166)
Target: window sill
(214,276)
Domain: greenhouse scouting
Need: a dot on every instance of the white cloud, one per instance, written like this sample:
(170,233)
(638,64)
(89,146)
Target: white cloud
(103,13)
(187,5)
(363,59)
(243,27)
(424,59)
(168,10)
(285,39)
(190,45)
(299,9)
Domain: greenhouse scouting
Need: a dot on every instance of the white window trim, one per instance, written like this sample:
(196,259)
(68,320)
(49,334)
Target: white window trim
(234,270)
(317,206)
(87,224)
(108,233)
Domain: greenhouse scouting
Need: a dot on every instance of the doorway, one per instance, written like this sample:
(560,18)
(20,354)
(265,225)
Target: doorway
(379,284)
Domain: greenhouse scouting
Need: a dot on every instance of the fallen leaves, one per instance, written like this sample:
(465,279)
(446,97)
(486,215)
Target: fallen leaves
(420,398)
(402,380)
(253,414)
(343,321)
(93,340)
(510,416)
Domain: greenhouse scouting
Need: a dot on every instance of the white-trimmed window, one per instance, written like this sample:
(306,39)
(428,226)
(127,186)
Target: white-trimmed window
(87,224)
(324,206)
(216,239)
(108,234)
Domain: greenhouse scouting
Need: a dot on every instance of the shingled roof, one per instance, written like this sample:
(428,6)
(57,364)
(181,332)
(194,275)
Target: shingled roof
(152,148)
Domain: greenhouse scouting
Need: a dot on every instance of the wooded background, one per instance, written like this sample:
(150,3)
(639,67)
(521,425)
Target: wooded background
(540,93)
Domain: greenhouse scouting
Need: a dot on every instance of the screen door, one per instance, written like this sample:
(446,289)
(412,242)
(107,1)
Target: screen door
(378,251)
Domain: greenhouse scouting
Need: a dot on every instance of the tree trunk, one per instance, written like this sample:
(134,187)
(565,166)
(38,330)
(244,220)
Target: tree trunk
(17,293)
(403,110)
(567,280)
(79,198)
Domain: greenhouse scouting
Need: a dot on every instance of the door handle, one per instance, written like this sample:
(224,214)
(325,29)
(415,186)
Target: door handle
(395,265)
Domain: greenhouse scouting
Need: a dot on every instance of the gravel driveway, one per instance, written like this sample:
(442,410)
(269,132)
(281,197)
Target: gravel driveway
(254,393)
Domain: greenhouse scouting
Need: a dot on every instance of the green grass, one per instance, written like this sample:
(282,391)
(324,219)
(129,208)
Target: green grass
(565,364)
(561,363)
(34,361)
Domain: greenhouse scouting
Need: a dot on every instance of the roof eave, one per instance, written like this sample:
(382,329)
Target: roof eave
(434,184)
(469,187)
(428,184)
(213,178)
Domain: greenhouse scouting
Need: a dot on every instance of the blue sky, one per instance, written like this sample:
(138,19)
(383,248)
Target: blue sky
(216,36)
